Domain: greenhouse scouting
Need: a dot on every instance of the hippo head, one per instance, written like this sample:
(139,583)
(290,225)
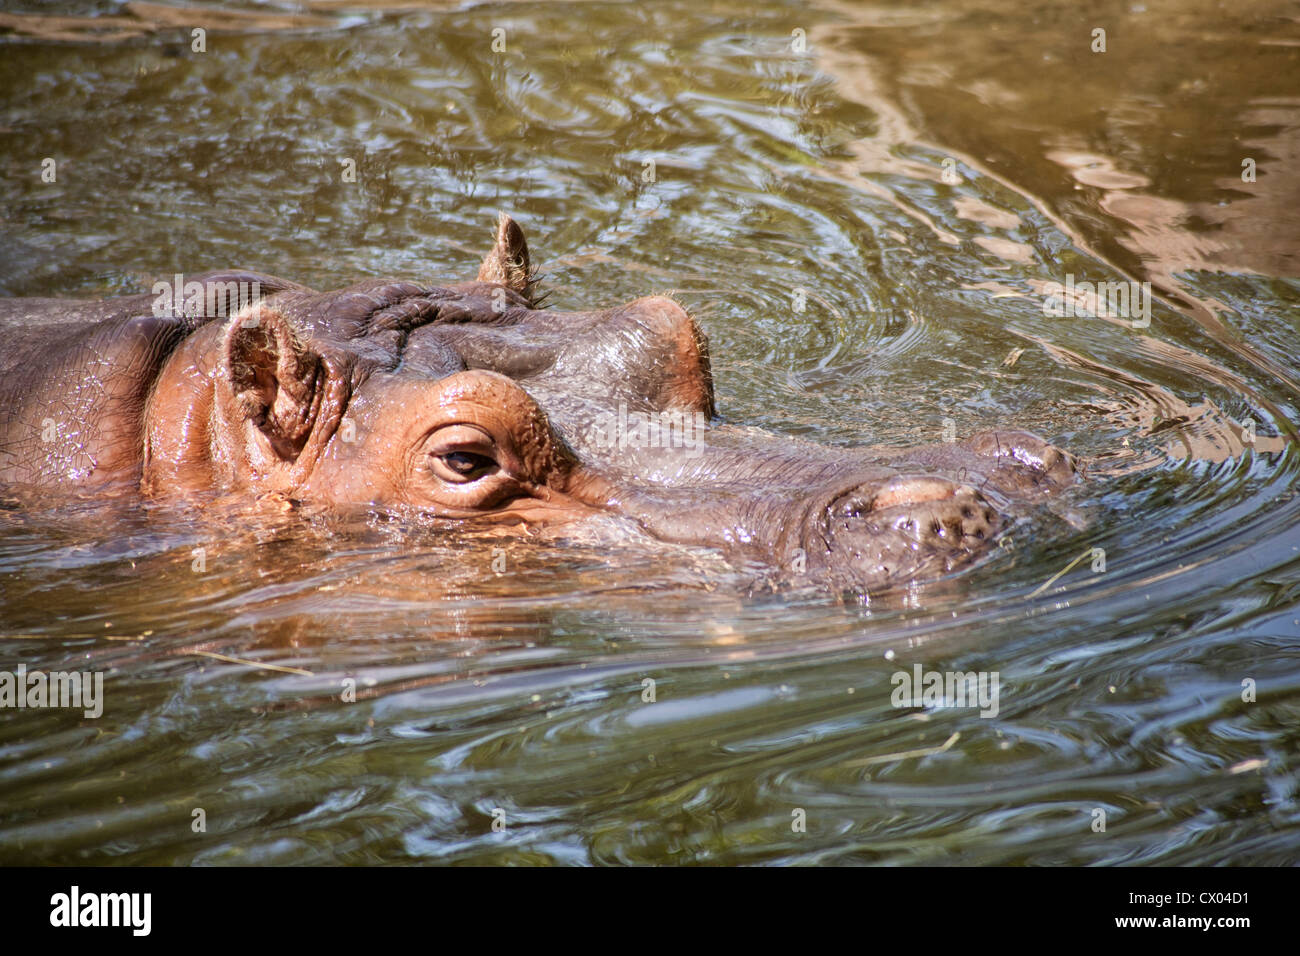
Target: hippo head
(465,402)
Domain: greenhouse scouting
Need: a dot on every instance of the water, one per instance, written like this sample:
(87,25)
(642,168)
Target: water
(520,696)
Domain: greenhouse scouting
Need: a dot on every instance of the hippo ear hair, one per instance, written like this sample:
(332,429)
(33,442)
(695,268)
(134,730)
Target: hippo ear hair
(273,378)
(507,264)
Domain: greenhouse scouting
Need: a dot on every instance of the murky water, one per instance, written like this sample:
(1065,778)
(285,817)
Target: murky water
(918,178)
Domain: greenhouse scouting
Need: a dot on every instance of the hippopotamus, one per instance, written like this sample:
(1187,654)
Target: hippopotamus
(469,403)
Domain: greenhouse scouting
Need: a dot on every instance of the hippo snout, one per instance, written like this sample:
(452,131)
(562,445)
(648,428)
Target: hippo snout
(900,527)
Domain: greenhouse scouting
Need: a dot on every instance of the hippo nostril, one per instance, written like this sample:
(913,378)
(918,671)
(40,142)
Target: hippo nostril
(852,506)
(904,490)
(905,523)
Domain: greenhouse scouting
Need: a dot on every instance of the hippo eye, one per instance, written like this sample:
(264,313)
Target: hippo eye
(463,466)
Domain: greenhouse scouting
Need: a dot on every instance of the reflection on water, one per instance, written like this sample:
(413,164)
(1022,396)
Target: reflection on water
(362,689)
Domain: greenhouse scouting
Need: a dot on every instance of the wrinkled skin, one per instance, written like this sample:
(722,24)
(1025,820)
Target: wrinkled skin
(464,402)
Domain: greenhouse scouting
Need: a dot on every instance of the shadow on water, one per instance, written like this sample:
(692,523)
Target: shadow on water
(871,209)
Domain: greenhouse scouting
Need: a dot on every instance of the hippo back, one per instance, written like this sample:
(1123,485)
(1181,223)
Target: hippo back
(75,375)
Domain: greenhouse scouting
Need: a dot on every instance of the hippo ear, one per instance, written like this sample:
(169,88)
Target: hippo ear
(507,263)
(275,382)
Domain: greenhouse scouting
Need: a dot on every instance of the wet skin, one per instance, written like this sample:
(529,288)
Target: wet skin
(465,402)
